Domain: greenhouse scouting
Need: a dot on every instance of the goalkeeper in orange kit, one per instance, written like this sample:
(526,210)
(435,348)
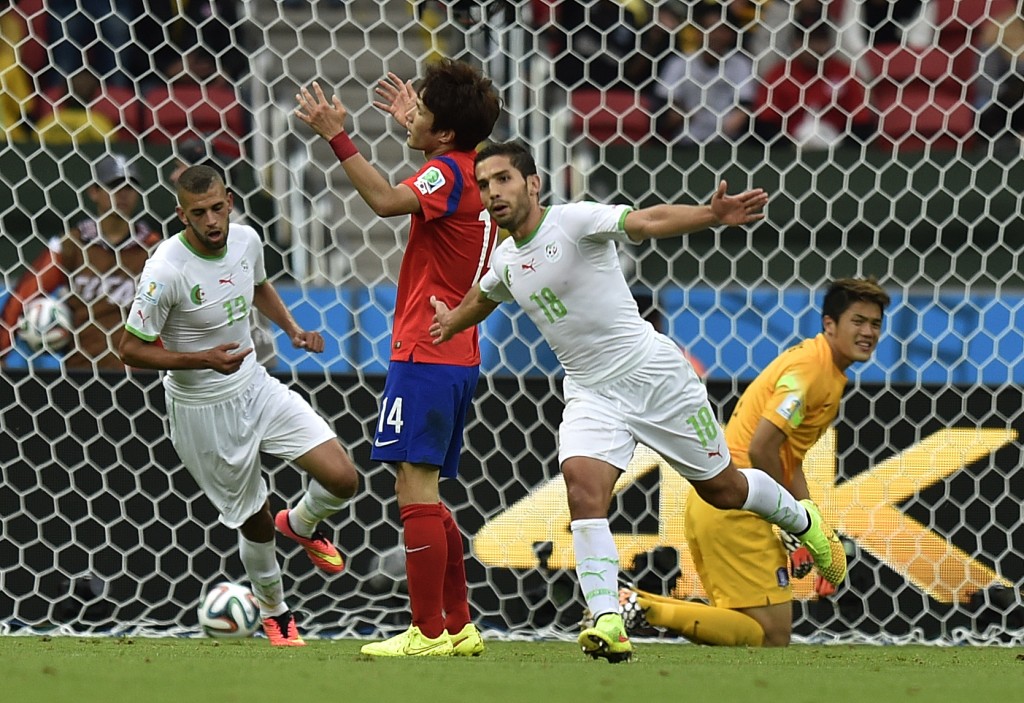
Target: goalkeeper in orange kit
(741,560)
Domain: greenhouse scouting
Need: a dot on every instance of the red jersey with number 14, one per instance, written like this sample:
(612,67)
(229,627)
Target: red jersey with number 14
(450,244)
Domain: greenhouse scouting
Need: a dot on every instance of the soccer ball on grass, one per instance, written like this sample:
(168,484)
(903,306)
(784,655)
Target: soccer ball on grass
(229,610)
(45,324)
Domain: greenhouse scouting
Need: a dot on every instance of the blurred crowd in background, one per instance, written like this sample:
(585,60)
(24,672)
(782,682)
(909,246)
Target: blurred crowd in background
(813,71)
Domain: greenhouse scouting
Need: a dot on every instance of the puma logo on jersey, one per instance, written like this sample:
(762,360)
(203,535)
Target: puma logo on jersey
(715,453)
(229,280)
(531,266)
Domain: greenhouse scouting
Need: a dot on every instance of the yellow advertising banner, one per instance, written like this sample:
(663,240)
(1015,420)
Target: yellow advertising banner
(864,508)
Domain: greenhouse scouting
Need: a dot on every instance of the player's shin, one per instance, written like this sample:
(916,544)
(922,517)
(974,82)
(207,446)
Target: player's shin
(426,553)
(456,601)
(260,562)
(316,504)
(769,499)
(597,564)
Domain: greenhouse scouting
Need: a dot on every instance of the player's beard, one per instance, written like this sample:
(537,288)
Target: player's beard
(214,244)
(211,245)
(518,209)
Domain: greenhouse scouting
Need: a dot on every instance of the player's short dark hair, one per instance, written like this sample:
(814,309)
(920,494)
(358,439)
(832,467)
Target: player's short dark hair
(462,100)
(844,292)
(198,179)
(517,152)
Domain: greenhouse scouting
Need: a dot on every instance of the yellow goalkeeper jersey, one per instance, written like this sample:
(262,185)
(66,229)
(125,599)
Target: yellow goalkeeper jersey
(799,392)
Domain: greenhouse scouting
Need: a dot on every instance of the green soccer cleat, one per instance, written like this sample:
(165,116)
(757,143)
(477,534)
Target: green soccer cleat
(824,545)
(411,643)
(468,643)
(607,639)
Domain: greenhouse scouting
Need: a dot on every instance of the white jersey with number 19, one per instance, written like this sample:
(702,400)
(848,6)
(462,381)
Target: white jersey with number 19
(194,302)
(567,277)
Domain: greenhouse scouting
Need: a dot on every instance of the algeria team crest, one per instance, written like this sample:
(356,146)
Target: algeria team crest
(552,252)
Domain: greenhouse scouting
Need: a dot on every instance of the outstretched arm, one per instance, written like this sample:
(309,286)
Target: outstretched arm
(327,118)
(474,308)
(673,220)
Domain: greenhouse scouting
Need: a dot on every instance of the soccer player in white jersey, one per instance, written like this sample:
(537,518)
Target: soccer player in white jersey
(194,297)
(624,382)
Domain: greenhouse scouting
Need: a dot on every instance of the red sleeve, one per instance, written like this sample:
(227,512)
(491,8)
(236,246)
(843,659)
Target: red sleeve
(438,185)
(42,276)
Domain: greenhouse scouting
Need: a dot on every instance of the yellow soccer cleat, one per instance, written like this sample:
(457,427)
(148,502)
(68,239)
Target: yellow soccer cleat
(411,643)
(468,643)
(824,545)
(607,639)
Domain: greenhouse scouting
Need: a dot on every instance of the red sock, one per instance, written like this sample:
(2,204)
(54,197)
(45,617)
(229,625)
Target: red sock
(426,553)
(456,603)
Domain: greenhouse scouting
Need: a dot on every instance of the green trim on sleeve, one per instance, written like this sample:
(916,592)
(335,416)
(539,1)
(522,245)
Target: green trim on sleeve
(622,218)
(140,334)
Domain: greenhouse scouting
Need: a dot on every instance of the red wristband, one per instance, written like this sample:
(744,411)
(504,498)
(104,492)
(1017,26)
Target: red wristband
(343,146)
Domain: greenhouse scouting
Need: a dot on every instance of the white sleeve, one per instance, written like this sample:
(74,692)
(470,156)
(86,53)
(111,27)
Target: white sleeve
(153,301)
(493,286)
(597,221)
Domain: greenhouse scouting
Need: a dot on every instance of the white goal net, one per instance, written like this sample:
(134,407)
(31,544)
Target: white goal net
(907,167)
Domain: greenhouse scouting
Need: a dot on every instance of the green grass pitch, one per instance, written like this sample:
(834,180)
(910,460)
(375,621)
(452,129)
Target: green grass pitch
(142,670)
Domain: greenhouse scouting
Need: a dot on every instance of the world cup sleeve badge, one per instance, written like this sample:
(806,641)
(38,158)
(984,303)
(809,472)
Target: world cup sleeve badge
(150,292)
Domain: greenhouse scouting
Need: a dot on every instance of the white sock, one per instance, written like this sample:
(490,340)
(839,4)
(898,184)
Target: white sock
(770,499)
(597,564)
(260,562)
(316,504)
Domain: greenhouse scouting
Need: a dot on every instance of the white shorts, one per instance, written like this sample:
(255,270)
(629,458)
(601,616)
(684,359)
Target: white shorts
(663,405)
(220,442)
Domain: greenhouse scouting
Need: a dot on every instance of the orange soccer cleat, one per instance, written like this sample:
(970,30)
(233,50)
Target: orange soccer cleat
(319,549)
(281,630)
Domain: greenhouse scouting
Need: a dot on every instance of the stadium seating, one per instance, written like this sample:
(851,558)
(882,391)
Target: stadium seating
(605,116)
(182,110)
(923,95)
(118,104)
(32,51)
(591,119)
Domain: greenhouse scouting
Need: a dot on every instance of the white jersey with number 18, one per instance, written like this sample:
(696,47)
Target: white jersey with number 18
(567,277)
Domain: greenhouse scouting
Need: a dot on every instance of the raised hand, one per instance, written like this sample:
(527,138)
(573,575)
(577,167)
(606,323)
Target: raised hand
(326,118)
(739,209)
(396,98)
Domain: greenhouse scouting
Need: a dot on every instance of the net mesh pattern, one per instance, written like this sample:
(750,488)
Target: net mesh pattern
(894,151)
